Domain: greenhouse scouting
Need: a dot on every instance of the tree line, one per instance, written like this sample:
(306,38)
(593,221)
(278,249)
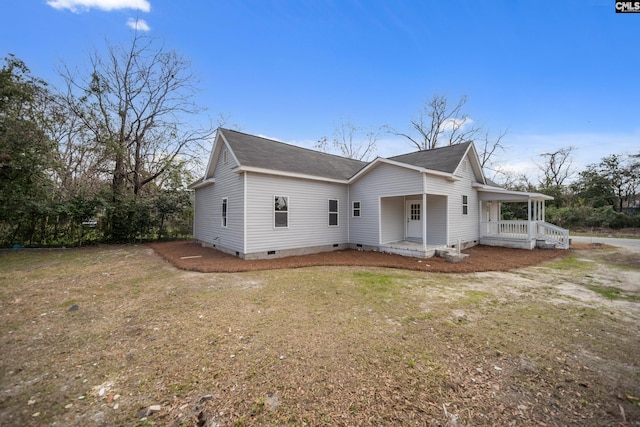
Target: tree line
(107,157)
(605,194)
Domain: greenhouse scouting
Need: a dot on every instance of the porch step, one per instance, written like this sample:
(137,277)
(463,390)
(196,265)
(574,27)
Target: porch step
(545,244)
(451,255)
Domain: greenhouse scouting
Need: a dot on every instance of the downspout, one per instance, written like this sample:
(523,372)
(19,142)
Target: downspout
(244,214)
(379,221)
(424,209)
(480,218)
(349,213)
(424,222)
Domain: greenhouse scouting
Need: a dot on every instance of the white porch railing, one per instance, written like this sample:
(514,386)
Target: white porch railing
(506,229)
(553,233)
(519,230)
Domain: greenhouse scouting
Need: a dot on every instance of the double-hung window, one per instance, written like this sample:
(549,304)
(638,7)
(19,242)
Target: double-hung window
(357,210)
(280,211)
(333,213)
(465,205)
(225,204)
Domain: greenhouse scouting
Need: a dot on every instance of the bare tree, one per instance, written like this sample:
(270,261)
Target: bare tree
(557,168)
(351,141)
(439,124)
(135,109)
(488,146)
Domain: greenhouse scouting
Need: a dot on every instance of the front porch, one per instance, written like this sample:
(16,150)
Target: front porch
(413,225)
(522,233)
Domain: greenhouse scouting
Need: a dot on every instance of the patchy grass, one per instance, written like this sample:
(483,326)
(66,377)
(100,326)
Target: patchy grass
(613,293)
(311,346)
(572,263)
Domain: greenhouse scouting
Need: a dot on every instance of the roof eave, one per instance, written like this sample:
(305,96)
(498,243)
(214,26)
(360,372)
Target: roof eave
(419,169)
(201,183)
(505,194)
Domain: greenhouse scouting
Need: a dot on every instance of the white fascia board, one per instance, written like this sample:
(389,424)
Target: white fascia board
(242,169)
(474,160)
(506,193)
(202,183)
(229,150)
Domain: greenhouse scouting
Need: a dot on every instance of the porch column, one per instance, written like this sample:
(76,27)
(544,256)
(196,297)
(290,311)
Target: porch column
(424,221)
(529,207)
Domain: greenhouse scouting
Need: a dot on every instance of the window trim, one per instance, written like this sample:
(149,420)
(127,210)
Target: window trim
(335,213)
(224,212)
(275,212)
(465,205)
(355,209)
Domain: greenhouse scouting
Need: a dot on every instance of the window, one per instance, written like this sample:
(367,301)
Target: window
(465,205)
(281,211)
(333,213)
(224,211)
(224,156)
(415,212)
(356,210)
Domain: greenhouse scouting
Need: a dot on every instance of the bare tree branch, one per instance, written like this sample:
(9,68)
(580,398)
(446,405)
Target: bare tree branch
(557,168)
(439,124)
(351,141)
(135,108)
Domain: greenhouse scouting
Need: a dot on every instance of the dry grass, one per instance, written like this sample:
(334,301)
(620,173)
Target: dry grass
(313,346)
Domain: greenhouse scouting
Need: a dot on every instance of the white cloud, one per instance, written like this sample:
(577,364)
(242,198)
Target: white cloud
(77,6)
(138,24)
(451,124)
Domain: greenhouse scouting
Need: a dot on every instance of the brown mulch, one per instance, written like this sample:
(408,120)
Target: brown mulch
(188,255)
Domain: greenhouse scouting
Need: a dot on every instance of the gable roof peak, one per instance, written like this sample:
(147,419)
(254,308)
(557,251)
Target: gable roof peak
(442,159)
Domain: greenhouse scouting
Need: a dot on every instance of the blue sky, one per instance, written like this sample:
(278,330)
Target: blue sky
(554,73)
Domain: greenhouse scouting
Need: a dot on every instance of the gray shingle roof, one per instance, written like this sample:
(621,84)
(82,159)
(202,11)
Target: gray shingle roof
(255,151)
(443,159)
(259,152)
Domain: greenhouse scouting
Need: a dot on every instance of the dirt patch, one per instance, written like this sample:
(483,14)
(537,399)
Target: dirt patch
(187,255)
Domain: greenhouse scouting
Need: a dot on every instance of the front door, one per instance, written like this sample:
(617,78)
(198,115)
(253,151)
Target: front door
(413,212)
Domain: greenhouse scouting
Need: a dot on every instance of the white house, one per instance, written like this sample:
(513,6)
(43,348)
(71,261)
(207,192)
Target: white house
(261,198)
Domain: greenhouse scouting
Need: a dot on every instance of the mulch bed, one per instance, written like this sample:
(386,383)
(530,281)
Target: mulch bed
(188,255)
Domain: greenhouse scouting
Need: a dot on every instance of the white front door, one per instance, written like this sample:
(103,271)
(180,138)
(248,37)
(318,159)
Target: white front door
(413,213)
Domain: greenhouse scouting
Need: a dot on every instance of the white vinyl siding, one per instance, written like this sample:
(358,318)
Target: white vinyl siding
(204,206)
(463,226)
(436,219)
(307,213)
(383,181)
(208,212)
(393,221)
